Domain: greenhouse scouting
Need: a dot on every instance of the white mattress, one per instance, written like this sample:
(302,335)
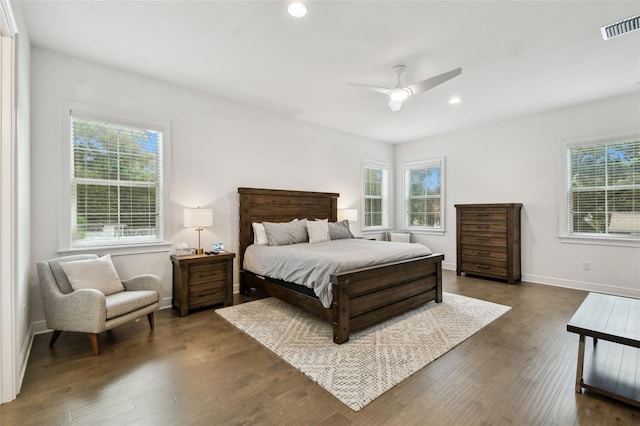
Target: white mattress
(311,264)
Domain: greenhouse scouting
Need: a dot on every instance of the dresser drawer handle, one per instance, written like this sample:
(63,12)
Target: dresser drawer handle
(205,293)
(482,226)
(482,214)
(482,239)
(484,253)
(483,266)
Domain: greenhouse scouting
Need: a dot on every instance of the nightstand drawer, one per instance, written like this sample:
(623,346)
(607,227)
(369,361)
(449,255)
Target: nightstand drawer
(205,293)
(209,272)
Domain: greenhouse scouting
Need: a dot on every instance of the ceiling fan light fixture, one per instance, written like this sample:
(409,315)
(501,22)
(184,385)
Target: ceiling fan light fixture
(297,9)
(399,94)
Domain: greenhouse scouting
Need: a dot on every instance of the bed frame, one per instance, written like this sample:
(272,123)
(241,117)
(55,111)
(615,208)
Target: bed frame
(361,297)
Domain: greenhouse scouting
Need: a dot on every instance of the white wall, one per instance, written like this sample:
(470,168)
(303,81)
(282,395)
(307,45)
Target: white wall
(217,146)
(521,161)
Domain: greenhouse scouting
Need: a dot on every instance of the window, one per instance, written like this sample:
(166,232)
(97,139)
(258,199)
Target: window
(423,189)
(117,181)
(603,189)
(375,194)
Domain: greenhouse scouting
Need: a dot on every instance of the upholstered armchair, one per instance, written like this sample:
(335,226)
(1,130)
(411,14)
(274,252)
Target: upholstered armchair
(83,293)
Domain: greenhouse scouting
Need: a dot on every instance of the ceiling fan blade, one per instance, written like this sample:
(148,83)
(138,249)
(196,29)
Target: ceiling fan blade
(395,105)
(430,83)
(374,88)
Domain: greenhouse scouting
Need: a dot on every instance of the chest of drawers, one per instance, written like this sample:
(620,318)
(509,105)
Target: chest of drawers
(202,280)
(488,240)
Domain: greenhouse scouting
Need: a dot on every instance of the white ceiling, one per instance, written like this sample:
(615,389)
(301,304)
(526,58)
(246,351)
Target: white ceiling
(517,57)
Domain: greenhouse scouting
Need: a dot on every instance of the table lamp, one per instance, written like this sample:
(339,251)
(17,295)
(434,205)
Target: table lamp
(198,219)
(348,214)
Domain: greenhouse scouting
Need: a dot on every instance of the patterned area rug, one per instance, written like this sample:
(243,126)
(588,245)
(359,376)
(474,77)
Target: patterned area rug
(373,360)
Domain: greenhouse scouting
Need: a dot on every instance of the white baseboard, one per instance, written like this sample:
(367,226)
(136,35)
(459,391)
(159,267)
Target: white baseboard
(581,285)
(577,285)
(40,327)
(166,303)
(25,352)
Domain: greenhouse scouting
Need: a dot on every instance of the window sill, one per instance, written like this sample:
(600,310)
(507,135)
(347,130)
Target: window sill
(120,250)
(375,230)
(600,241)
(423,231)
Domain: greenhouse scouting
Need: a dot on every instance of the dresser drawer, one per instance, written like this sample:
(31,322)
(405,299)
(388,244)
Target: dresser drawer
(208,272)
(483,214)
(484,239)
(480,252)
(484,227)
(484,267)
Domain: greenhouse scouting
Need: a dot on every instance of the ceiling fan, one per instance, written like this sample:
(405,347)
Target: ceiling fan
(400,93)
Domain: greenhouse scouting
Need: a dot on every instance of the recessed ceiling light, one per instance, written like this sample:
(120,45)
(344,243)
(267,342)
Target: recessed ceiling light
(455,100)
(297,9)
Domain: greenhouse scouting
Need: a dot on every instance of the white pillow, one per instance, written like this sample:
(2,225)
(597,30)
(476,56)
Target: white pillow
(99,274)
(259,234)
(318,230)
(399,237)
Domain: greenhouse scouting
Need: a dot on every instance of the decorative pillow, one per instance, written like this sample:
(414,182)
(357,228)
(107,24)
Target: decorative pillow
(259,234)
(400,237)
(99,274)
(282,234)
(339,230)
(318,230)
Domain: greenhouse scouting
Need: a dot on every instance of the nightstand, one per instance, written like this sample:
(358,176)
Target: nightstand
(202,280)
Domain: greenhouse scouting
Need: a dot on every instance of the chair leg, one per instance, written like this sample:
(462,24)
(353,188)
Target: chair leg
(152,321)
(95,348)
(54,337)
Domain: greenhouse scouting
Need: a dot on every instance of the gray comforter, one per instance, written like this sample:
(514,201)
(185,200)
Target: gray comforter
(311,264)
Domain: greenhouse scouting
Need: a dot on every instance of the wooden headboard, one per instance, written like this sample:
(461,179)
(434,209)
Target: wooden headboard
(276,205)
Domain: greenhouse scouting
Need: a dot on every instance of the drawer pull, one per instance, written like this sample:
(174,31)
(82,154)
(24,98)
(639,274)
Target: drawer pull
(484,253)
(482,226)
(205,293)
(482,214)
(483,266)
(482,239)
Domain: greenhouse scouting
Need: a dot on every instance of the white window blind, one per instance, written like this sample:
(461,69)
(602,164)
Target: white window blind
(603,189)
(116,183)
(423,188)
(375,195)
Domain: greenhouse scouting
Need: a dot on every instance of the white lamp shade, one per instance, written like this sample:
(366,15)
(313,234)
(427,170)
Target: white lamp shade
(198,218)
(348,214)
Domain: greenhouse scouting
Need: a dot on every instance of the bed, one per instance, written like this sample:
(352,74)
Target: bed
(361,297)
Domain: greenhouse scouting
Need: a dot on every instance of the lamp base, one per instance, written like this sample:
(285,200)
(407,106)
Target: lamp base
(199,251)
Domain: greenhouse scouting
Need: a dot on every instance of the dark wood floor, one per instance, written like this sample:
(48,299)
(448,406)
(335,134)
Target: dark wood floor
(200,370)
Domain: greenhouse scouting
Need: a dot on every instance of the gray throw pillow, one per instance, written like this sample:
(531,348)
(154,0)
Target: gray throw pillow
(339,230)
(282,234)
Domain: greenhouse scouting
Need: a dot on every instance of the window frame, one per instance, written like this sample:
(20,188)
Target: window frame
(142,245)
(406,169)
(384,167)
(565,234)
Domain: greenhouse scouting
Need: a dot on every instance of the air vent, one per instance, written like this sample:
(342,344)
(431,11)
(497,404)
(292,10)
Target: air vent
(621,27)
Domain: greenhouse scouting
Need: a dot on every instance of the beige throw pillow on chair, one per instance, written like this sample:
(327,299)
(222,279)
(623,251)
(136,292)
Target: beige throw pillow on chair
(99,274)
